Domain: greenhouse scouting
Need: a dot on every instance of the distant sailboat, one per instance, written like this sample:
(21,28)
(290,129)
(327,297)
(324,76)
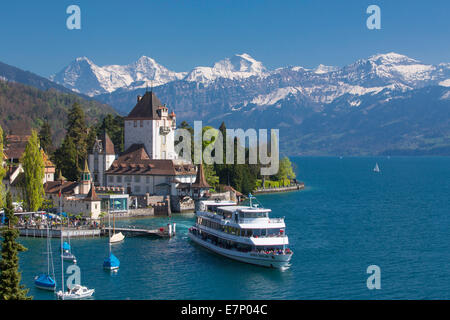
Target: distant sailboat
(377,168)
(46,281)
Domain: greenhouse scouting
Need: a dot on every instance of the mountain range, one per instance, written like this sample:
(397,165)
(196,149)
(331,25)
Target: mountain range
(385,103)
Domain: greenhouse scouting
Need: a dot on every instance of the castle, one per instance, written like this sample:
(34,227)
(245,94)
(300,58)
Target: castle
(149,165)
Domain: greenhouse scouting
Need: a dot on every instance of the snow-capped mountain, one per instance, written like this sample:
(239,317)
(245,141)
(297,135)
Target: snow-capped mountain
(309,101)
(83,76)
(240,66)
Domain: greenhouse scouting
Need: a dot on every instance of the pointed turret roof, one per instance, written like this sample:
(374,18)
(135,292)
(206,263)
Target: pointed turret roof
(200,181)
(60,177)
(86,167)
(108,145)
(146,107)
(92,196)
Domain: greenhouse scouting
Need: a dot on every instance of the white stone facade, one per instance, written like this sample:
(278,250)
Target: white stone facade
(157,136)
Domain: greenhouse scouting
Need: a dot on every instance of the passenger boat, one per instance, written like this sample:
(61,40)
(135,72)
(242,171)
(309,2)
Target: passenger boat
(242,233)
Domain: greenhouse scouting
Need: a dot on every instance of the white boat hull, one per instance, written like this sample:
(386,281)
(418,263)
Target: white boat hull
(117,237)
(266,260)
(70,296)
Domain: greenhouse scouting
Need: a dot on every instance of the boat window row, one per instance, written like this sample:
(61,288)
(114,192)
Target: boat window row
(271,232)
(253,214)
(232,245)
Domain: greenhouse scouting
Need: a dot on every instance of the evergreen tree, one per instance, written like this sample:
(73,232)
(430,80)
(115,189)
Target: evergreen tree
(2,169)
(45,138)
(78,131)
(33,167)
(114,127)
(10,287)
(66,159)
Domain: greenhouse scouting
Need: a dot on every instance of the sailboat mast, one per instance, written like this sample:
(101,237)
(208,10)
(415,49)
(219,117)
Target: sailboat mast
(62,261)
(48,252)
(109,231)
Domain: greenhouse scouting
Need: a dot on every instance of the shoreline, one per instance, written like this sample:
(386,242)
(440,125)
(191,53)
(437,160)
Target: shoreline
(298,186)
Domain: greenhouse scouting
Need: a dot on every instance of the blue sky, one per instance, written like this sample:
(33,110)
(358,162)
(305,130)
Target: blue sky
(182,34)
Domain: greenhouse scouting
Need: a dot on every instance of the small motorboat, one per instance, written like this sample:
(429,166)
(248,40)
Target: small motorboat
(76,293)
(45,282)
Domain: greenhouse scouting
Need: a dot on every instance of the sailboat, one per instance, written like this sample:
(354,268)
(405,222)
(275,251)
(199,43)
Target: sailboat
(78,291)
(67,250)
(376,169)
(116,237)
(45,281)
(111,263)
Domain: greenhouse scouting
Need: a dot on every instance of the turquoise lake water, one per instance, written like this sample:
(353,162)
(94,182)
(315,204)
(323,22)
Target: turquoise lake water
(347,218)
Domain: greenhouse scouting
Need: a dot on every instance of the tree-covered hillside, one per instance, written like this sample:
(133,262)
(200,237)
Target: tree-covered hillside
(23,108)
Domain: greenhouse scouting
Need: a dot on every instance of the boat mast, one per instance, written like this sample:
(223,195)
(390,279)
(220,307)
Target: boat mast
(109,230)
(62,260)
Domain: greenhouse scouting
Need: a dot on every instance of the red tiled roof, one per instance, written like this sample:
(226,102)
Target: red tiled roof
(135,161)
(92,196)
(108,145)
(66,187)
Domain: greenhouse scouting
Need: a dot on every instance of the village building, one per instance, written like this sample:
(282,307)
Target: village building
(75,197)
(14,178)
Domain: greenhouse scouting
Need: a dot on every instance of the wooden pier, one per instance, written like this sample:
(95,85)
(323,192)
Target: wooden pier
(56,233)
(130,231)
(167,231)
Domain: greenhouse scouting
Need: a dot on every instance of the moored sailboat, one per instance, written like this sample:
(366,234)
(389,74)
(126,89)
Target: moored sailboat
(111,262)
(46,281)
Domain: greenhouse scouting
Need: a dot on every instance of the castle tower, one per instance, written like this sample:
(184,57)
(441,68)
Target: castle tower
(85,180)
(150,124)
(101,158)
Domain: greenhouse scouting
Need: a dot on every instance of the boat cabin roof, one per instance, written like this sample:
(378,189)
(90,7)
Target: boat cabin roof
(243,209)
(213,203)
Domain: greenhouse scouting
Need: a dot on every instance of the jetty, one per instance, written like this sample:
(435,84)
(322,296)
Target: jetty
(167,231)
(162,232)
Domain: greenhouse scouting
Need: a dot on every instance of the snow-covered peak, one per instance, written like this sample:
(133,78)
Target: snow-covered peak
(239,66)
(84,76)
(392,58)
(321,69)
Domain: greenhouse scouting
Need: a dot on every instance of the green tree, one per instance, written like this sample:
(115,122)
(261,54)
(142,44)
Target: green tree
(45,138)
(33,167)
(285,170)
(78,131)
(66,159)
(114,126)
(10,287)
(2,169)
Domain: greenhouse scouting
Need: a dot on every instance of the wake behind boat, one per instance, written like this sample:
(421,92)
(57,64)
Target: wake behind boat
(242,233)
